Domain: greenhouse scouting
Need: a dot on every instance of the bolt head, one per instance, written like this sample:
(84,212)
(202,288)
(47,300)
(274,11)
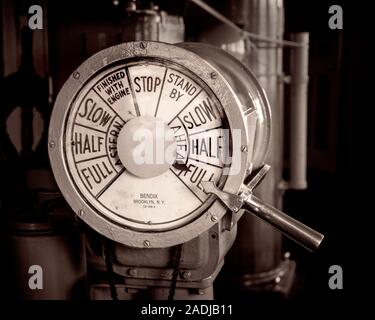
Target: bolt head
(214,218)
(133,272)
(244,148)
(76,75)
(213,75)
(143,45)
(146,243)
(186,274)
(52,144)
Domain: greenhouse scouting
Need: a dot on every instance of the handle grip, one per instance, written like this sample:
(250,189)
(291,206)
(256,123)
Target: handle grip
(292,228)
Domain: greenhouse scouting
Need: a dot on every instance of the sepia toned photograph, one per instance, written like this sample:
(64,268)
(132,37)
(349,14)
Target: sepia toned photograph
(186,158)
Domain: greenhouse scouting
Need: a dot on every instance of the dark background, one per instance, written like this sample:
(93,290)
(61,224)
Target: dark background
(339,200)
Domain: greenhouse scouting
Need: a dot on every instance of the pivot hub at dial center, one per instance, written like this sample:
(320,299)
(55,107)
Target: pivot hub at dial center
(146,146)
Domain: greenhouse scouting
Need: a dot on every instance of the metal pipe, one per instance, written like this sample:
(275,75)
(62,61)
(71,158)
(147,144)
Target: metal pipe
(299,62)
(258,247)
(253,36)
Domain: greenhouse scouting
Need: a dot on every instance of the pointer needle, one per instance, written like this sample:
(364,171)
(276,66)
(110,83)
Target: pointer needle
(181,166)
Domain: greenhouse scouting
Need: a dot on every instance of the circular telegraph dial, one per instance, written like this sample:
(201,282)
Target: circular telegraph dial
(101,140)
(135,131)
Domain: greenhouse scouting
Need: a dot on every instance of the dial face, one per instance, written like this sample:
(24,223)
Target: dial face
(181,117)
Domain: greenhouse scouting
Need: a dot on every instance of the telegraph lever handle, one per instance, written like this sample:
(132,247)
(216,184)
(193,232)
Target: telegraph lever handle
(292,228)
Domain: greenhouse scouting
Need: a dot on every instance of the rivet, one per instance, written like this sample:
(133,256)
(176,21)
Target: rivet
(52,144)
(214,218)
(213,75)
(244,148)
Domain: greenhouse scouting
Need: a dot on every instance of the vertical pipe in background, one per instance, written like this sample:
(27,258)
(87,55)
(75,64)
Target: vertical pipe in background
(257,250)
(9,38)
(299,62)
(255,262)
(57,252)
